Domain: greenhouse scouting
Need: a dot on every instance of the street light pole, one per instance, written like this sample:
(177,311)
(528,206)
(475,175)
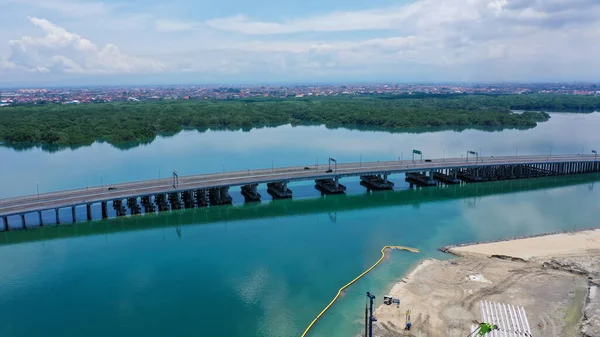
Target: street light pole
(595,155)
(475,153)
(37,184)
(371,299)
(101,182)
(335,164)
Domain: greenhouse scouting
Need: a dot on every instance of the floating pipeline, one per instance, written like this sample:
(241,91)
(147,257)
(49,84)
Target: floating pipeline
(413,250)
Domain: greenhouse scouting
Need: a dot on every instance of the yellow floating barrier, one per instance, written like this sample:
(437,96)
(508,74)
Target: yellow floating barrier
(413,250)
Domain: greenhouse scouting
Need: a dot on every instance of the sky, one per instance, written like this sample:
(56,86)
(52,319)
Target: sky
(81,42)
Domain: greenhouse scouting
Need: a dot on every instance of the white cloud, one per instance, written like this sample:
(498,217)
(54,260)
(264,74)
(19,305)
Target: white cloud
(424,14)
(62,51)
(468,40)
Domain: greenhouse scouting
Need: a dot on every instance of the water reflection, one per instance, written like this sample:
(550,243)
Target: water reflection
(191,152)
(269,267)
(469,194)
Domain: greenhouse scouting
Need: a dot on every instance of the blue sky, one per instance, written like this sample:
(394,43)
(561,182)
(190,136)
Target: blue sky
(267,41)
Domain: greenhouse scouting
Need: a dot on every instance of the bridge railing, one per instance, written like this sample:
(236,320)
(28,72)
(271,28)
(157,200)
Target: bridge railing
(190,179)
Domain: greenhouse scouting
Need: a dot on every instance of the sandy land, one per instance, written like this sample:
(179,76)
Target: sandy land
(555,278)
(578,243)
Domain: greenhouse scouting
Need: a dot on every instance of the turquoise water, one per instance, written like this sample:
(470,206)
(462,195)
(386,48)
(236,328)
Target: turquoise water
(266,269)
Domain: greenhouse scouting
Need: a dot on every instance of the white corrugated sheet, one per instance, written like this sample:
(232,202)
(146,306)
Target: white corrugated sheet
(511,320)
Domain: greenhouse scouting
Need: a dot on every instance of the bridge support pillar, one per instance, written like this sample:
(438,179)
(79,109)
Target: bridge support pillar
(188,199)
(201,198)
(57,216)
(420,179)
(41,220)
(104,210)
(161,200)
(279,190)
(330,186)
(88,208)
(225,192)
(5,223)
(447,177)
(148,204)
(175,200)
(133,205)
(250,193)
(23,222)
(119,208)
(219,196)
(73,214)
(376,183)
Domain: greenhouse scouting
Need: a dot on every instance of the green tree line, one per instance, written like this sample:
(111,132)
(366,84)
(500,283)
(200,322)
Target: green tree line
(141,121)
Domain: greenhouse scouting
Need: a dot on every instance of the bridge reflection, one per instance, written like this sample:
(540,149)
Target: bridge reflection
(331,206)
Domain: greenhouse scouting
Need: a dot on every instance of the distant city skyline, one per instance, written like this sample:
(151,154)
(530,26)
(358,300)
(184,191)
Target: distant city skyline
(99,94)
(134,42)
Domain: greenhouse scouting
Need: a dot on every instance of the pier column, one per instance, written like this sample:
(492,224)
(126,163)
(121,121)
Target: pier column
(104,210)
(250,193)
(41,220)
(73,213)
(23,223)
(57,216)
(224,192)
(89,211)
(330,186)
(5,223)
(385,178)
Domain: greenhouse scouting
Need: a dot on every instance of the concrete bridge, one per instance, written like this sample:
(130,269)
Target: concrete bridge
(213,189)
(470,193)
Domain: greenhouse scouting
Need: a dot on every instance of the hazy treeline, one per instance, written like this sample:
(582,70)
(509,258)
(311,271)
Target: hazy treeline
(141,121)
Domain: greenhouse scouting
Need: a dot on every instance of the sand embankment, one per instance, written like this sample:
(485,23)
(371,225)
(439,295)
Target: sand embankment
(555,245)
(554,277)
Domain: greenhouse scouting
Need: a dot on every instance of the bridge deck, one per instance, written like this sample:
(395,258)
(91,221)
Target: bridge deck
(59,199)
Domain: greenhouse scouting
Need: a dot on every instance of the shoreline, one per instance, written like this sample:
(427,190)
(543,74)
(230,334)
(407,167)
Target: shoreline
(448,248)
(558,287)
(412,272)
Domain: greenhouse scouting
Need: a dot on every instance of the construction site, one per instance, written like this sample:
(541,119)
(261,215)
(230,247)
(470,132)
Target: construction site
(545,286)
